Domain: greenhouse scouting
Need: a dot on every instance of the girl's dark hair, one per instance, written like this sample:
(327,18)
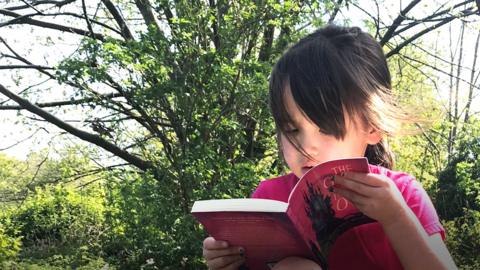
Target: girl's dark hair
(333,71)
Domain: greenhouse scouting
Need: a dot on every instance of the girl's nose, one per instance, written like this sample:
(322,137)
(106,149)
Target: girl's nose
(311,145)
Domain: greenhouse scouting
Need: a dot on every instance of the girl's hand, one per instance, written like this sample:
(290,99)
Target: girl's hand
(374,195)
(219,255)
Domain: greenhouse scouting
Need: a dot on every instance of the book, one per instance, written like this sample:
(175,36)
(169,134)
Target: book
(306,226)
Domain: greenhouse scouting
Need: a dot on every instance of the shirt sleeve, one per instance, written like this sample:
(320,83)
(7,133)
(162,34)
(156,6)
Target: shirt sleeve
(418,200)
(259,192)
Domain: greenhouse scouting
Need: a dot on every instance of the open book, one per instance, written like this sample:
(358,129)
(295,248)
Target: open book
(270,230)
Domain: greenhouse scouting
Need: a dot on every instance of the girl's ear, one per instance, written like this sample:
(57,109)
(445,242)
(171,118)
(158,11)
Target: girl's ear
(374,136)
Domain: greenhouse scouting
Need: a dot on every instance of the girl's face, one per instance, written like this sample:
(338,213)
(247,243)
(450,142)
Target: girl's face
(319,146)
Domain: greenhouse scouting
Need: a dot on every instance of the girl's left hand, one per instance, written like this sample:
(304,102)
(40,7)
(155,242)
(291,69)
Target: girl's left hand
(374,195)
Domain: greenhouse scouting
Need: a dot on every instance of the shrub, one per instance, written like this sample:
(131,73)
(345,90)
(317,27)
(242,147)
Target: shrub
(463,239)
(59,227)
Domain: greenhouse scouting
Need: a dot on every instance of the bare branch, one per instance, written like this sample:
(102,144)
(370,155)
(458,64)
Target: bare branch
(32,7)
(26,89)
(145,8)
(24,67)
(22,140)
(89,137)
(22,19)
(430,141)
(89,25)
(125,31)
(28,185)
(466,12)
(389,34)
(437,69)
(432,18)
(335,11)
(472,79)
(64,13)
(63,103)
(40,2)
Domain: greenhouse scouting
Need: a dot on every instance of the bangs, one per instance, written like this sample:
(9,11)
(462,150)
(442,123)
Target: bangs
(317,87)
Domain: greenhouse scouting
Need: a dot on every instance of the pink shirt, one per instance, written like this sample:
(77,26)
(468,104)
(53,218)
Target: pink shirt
(365,246)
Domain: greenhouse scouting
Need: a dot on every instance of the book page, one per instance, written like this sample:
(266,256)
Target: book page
(239,205)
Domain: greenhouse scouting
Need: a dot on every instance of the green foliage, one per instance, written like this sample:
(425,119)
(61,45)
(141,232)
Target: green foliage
(452,181)
(94,264)
(463,239)
(39,170)
(9,246)
(458,186)
(58,226)
(414,152)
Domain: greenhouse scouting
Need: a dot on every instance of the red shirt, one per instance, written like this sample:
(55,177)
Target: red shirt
(365,246)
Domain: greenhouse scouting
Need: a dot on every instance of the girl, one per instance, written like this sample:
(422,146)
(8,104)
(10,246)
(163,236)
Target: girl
(330,96)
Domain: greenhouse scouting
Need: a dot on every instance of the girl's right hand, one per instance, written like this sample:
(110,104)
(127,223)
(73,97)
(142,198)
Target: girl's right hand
(219,255)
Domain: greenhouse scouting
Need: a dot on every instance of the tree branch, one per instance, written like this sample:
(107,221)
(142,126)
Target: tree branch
(89,137)
(22,19)
(125,31)
(25,67)
(89,25)
(432,17)
(266,48)
(22,140)
(472,80)
(55,14)
(62,103)
(40,2)
(216,37)
(437,69)
(389,34)
(397,49)
(335,11)
(146,10)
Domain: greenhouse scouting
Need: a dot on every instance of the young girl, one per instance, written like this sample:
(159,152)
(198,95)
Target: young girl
(330,96)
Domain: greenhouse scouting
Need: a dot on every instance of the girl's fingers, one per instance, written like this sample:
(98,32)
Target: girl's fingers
(210,254)
(225,262)
(352,196)
(371,179)
(211,243)
(358,187)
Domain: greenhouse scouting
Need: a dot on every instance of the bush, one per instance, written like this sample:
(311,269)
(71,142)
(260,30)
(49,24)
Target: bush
(59,227)
(9,246)
(463,239)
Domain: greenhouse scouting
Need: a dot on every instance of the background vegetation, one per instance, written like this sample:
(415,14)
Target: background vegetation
(161,103)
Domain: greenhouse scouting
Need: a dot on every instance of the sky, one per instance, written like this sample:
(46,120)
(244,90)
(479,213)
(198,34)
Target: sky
(31,43)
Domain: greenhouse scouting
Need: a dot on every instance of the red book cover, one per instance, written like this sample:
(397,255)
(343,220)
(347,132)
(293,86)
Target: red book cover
(269,230)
